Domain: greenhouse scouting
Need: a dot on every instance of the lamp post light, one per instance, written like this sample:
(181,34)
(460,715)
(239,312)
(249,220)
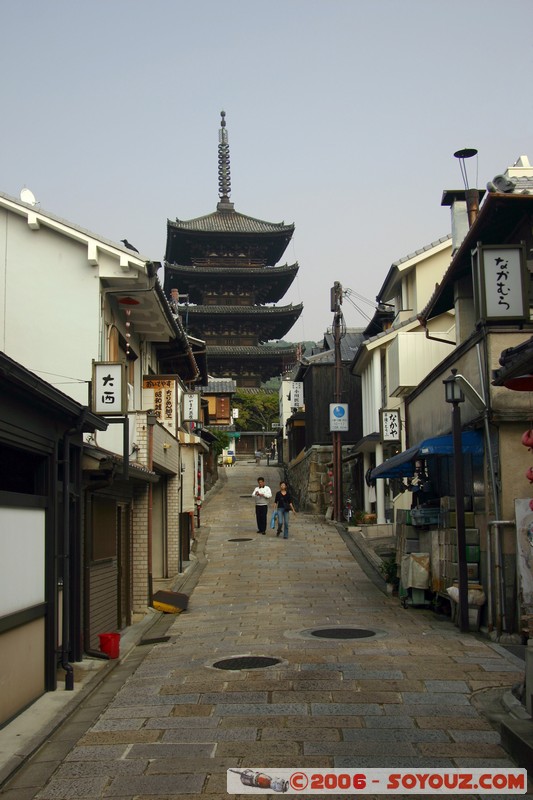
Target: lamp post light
(455,396)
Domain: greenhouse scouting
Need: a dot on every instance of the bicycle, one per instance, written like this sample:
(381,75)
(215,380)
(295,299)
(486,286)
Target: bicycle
(348,511)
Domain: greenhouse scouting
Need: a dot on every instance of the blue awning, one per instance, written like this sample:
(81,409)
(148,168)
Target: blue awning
(471,441)
(399,466)
(403,464)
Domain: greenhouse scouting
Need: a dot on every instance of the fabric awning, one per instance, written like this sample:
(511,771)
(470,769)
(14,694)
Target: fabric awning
(403,464)
(471,441)
(399,466)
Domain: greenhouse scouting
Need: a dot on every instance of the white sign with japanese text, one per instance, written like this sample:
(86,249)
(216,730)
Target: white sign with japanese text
(390,425)
(191,406)
(109,388)
(500,282)
(297,394)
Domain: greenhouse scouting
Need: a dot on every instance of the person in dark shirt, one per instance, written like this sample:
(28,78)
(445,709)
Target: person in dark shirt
(283,505)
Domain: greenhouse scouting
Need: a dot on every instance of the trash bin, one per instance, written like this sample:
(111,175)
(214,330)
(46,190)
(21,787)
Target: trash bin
(110,644)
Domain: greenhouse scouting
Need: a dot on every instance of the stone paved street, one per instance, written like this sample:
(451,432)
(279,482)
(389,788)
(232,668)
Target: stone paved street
(168,724)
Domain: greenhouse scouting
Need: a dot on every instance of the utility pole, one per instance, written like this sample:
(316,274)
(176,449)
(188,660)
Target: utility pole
(336,302)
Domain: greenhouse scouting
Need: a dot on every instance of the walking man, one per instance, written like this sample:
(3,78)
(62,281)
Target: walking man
(262,495)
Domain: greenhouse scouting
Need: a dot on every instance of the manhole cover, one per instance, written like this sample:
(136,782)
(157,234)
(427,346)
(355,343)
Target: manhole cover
(342,633)
(246,662)
(240,540)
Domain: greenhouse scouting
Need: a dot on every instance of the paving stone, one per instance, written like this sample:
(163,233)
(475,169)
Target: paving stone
(443,699)
(162,750)
(93,769)
(357,709)
(260,710)
(131,724)
(210,734)
(446,686)
(146,785)
(393,735)
(96,753)
(169,723)
(486,737)
(88,787)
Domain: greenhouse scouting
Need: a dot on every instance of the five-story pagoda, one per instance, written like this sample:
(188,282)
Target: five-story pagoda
(221,278)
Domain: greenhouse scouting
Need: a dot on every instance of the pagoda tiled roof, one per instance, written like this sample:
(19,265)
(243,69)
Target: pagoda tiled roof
(265,272)
(262,352)
(275,311)
(230,221)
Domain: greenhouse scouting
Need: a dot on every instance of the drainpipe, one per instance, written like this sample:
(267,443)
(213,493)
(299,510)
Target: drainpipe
(65,633)
(501,615)
(65,627)
(150,422)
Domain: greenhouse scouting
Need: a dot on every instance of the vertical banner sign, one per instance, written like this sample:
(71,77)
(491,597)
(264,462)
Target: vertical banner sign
(500,283)
(297,394)
(191,406)
(338,417)
(389,425)
(109,388)
(162,399)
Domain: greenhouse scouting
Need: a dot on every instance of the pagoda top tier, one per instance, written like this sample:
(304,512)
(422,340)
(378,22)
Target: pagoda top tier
(225,231)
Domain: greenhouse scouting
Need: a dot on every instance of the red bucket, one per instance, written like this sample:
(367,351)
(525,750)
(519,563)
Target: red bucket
(110,644)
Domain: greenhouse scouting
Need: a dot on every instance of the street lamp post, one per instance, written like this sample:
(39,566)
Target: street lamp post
(455,396)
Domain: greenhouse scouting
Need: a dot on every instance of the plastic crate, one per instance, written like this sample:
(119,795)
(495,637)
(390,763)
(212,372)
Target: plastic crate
(425,516)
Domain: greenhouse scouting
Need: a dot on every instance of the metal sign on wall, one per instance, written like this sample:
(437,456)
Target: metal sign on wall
(500,282)
(109,388)
(389,425)
(338,417)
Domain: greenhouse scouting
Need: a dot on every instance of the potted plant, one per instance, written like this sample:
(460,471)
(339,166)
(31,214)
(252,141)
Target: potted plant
(389,570)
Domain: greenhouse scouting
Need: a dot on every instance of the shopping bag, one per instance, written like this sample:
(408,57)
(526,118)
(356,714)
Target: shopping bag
(273,519)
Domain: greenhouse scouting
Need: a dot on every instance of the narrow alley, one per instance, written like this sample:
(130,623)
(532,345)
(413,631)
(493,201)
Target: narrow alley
(330,672)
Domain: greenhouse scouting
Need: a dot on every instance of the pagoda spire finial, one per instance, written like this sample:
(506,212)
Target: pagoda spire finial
(224,176)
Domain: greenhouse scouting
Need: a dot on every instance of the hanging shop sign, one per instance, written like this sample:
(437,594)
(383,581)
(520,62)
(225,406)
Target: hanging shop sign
(389,425)
(191,407)
(109,388)
(159,393)
(501,282)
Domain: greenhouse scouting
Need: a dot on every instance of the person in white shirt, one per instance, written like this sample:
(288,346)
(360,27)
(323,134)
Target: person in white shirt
(262,495)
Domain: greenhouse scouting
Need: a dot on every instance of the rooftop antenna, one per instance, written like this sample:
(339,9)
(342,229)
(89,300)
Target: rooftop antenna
(27,196)
(462,155)
(224,175)
(471,195)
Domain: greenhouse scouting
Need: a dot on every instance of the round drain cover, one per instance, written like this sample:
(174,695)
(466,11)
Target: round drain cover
(246,662)
(342,633)
(240,540)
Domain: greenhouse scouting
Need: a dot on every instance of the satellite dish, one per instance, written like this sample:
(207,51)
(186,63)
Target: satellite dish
(503,184)
(27,196)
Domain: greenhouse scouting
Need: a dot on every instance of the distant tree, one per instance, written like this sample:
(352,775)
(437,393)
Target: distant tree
(221,442)
(256,411)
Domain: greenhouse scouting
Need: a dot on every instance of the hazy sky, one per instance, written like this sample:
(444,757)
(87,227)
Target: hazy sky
(343,117)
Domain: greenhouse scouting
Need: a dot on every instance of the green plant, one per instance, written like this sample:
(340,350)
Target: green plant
(389,570)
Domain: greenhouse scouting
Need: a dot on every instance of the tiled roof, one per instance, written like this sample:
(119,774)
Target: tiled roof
(422,250)
(230,221)
(258,351)
(275,311)
(219,386)
(257,272)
